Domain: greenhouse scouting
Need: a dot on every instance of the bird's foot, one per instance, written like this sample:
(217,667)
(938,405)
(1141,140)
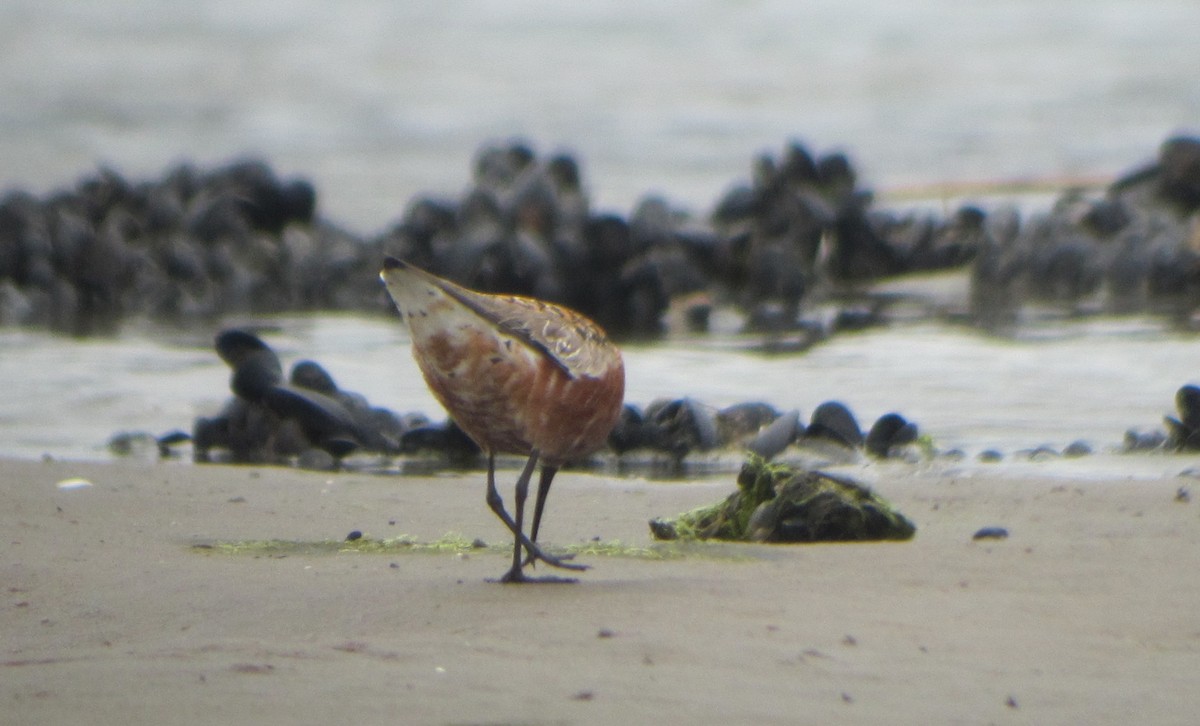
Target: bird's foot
(561,562)
(517,576)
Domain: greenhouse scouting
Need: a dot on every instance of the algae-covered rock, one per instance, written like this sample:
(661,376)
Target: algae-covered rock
(780,503)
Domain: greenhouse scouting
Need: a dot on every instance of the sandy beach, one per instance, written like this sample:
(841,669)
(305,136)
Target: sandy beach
(112,614)
(978,220)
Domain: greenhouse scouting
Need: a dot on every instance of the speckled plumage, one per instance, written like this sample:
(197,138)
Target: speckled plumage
(518,375)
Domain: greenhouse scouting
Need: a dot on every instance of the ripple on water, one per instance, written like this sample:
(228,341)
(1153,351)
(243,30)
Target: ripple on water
(1086,382)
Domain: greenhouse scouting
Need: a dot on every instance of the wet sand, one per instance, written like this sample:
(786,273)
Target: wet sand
(1087,613)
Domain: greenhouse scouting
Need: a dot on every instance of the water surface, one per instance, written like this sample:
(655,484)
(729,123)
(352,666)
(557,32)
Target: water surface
(377,100)
(1082,381)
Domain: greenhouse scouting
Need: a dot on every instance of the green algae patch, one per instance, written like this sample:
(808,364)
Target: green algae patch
(782,503)
(450,543)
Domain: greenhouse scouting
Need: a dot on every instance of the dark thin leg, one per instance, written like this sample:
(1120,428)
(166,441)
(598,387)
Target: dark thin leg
(548,473)
(522,492)
(496,502)
(497,506)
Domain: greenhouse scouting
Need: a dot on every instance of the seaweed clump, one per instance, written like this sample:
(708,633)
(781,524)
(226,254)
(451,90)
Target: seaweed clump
(781,503)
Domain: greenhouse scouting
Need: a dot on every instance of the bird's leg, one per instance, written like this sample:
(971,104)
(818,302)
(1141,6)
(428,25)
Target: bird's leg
(548,473)
(522,492)
(496,503)
(497,506)
(547,477)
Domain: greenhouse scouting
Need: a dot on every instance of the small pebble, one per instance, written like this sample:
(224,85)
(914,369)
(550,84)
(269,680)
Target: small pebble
(354,535)
(991,533)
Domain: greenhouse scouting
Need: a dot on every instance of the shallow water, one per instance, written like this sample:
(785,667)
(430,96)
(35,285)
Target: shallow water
(1089,381)
(377,100)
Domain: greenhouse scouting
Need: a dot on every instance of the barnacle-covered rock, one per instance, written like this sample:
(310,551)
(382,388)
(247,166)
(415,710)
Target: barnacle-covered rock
(780,503)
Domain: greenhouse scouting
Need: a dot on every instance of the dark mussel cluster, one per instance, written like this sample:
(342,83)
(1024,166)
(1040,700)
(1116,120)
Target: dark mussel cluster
(191,245)
(525,227)
(804,232)
(803,228)
(1136,248)
(677,428)
(306,417)
(197,244)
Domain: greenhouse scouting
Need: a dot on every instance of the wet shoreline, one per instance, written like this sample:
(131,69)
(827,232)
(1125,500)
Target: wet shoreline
(1090,381)
(795,260)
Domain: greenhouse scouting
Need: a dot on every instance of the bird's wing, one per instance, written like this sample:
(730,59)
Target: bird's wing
(567,339)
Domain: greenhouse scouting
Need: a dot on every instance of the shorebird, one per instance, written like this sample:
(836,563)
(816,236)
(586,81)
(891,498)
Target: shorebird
(519,376)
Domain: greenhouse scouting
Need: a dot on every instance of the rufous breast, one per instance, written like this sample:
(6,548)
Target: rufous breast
(515,373)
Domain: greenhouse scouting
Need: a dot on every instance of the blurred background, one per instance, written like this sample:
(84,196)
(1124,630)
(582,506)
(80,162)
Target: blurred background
(377,100)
